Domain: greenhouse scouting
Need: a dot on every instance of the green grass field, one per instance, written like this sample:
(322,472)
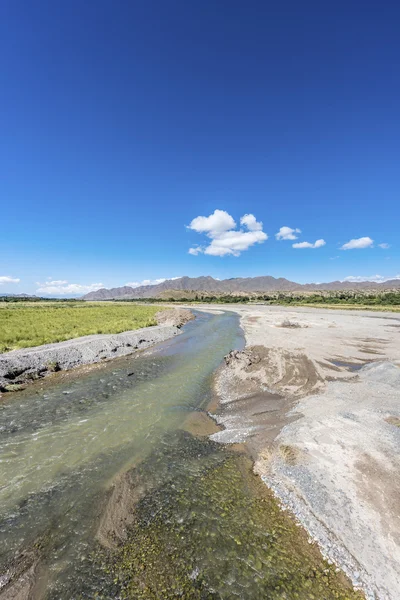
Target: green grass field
(32,324)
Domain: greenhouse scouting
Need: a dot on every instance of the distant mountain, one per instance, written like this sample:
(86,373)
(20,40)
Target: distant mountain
(104,294)
(18,296)
(237,285)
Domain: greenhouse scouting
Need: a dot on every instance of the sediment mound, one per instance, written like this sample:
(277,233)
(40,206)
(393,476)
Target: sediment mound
(174,316)
(280,371)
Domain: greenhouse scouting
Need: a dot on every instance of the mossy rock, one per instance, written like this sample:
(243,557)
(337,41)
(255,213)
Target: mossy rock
(212,530)
(14,387)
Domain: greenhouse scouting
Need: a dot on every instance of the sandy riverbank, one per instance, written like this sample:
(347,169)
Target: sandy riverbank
(20,367)
(315,395)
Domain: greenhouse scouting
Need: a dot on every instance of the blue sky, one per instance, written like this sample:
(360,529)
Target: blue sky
(122,122)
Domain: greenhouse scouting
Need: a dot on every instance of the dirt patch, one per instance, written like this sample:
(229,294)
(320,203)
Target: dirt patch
(290,373)
(290,454)
(381,489)
(393,421)
(21,588)
(199,423)
(258,419)
(256,389)
(291,324)
(20,578)
(119,511)
(174,316)
(287,454)
(253,319)
(369,350)
(375,341)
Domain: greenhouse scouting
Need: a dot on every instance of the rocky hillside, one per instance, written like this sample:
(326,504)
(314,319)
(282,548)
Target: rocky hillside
(238,285)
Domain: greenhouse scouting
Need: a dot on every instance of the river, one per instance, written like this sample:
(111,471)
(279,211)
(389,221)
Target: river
(201,526)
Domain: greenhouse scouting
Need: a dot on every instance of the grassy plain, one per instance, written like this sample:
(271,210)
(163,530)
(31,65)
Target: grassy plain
(25,324)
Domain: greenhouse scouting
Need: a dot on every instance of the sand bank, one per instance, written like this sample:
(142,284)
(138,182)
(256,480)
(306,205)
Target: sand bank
(316,396)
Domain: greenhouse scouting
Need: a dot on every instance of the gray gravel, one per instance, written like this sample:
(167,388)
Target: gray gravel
(21,366)
(336,465)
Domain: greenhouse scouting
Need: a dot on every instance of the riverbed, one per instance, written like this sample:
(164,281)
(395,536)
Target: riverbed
(109,489)
(316,395)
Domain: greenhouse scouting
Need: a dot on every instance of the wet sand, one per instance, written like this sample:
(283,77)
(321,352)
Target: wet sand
(316,397)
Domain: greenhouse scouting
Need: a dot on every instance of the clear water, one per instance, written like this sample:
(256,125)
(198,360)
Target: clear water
(202,526)
(61,443)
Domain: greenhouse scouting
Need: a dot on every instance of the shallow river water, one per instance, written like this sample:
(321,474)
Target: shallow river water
(201,527)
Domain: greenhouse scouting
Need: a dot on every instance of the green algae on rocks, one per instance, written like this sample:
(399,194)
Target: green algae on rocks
(216,532)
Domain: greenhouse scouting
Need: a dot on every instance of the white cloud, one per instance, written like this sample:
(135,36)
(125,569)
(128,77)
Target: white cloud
(61,287)
(135,284)
(287,233)
(384,246)
(234,242)
(219,221)
(376,278)
(317,244)
(225,239)
(357,243)
(251,223)
(5,279)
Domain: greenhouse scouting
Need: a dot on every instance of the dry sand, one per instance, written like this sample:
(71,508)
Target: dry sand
(316,396)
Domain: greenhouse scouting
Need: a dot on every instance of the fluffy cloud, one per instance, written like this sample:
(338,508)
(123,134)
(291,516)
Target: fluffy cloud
(196,250)
(61,287)
(220,227)
(219,221)
(234,242)
(377,278)
(357,243)
(287,233)
(5,279)
(251,223)
(317,244)
(384,246)
(135,284)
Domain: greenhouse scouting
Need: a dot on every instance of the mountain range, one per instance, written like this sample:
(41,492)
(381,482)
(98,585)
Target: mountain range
(237,285)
